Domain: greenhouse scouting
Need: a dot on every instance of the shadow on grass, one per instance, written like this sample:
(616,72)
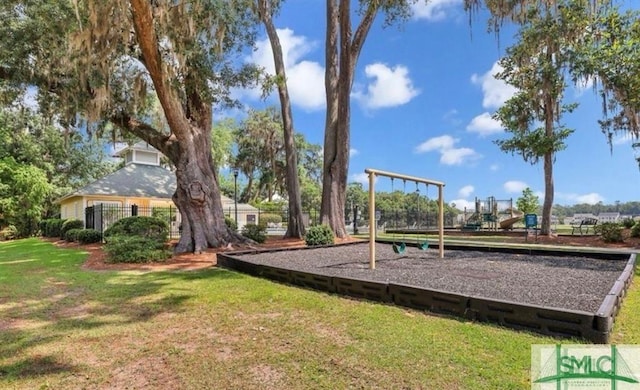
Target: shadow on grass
(50,298)
(36,366)
(13,341)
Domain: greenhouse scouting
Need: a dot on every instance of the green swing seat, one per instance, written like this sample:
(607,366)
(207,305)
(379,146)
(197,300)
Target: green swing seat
(399,248)
(423,246)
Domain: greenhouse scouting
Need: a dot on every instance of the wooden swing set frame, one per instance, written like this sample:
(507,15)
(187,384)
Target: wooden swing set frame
(372,208)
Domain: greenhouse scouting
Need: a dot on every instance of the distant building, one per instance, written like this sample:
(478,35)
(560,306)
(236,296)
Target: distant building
(609,217)
(142,182)
(554,219)
(577,217)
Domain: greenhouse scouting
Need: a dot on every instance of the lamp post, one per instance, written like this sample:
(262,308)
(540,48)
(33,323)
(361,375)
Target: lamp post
(235,193)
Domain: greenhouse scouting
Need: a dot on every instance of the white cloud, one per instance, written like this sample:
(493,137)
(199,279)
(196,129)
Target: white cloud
(449,154)
(436,143)
(461,204)
(591,198)
(465,191)
(484,124)
(458,156)
(434,10)
(306,85)
(496,92)
(451,116)
(514,186)
(361,178)
(623,139)
(494,167)
(583,84)
(353,152)
(390,87)
(305,79)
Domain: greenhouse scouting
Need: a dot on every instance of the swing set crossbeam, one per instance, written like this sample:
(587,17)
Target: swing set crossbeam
(393,175)
(372,210)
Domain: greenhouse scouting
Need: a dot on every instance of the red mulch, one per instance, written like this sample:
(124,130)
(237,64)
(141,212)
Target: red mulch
(190,261)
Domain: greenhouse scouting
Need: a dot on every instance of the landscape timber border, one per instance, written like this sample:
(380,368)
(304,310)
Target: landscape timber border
(595,327)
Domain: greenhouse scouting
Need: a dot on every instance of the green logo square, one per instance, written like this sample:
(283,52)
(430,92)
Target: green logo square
(577,367)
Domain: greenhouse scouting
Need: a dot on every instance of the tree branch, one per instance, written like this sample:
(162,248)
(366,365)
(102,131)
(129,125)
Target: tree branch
(167,144)
(362,31)
(143,24)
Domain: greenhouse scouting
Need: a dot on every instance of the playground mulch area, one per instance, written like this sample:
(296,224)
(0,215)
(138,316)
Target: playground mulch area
(575,282)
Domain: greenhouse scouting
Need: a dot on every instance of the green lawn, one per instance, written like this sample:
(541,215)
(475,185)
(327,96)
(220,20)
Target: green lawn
(62,327)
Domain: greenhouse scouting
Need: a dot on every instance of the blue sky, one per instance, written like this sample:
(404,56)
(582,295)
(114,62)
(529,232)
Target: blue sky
(422,103)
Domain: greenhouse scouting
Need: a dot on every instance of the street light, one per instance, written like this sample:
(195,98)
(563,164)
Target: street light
(235,192)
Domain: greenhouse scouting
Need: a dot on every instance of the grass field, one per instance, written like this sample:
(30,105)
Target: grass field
(62,327)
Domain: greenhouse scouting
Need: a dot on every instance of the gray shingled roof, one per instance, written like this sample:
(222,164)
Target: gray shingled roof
(134,180)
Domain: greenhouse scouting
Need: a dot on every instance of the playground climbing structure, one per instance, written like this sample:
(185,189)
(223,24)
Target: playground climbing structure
(492,214)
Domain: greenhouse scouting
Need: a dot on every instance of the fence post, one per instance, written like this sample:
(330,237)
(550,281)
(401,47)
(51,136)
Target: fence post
(170,223)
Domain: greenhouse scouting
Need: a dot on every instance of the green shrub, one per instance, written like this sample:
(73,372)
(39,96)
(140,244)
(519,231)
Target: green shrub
(70,224)
(231,223)
(319,235)
(89,236)
(135,249)
(255,232)
(628,223)
(266,219)
(51,227)
(43,226)
(635,230)
(9,233)
(611,232)
(72,235)
(148,227)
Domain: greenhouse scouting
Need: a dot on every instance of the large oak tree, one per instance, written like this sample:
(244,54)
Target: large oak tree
(174,49)
(119,54)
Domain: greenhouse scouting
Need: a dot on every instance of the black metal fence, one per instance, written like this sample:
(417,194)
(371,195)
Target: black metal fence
(101,216)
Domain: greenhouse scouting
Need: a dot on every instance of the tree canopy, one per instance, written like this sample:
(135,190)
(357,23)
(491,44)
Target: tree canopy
(180,54)
(528,203)
(33,149)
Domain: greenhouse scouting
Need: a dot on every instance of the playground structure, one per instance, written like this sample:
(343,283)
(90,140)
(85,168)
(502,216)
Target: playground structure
(372,211)
(492,214)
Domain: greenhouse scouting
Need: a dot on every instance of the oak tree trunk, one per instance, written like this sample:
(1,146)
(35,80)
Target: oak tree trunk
(330,166)
(189,117)
(342,49)
(197,196)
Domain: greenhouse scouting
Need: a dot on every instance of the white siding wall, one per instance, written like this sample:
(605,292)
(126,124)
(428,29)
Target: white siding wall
(146,157)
